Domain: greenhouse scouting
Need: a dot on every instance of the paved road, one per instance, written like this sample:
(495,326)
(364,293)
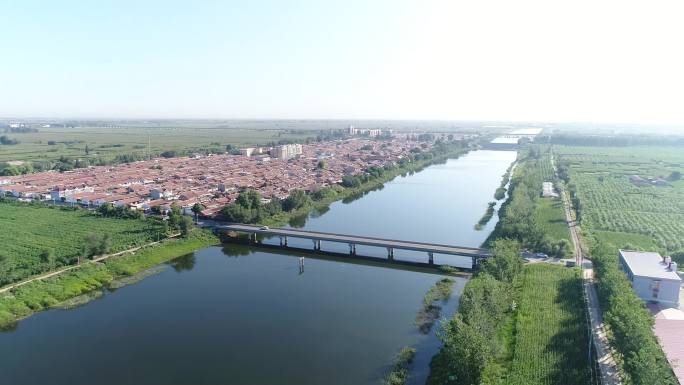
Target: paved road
(361,240)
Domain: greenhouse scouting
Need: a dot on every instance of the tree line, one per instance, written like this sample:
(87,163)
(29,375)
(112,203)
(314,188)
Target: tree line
(629,322)
(470,339)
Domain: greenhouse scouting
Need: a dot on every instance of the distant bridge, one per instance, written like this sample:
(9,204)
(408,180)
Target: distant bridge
(354,240)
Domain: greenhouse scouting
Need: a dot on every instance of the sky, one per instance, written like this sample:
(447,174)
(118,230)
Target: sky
(599,60)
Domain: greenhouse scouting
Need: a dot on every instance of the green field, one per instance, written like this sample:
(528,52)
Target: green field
(28,230)
(613,209)
(108,142)
(550,343)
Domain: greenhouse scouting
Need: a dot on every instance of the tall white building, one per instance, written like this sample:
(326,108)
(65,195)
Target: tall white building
(287,151)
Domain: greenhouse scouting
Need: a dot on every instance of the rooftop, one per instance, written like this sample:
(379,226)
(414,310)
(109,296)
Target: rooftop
(505,140)
(527,131)
(647,264)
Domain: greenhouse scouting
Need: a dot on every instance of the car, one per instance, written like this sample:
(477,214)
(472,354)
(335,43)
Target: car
(541,255)
(263,228)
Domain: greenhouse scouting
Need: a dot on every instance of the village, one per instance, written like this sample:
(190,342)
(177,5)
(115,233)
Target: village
(213,180)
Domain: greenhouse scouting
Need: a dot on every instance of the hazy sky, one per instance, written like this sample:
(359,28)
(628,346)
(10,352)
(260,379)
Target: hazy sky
(477,59)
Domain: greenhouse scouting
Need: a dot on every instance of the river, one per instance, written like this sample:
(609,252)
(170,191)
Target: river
(239,315)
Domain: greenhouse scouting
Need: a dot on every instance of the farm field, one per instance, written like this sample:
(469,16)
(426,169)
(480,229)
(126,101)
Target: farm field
(49,144)
(550,339)
(616,210)
(26,231)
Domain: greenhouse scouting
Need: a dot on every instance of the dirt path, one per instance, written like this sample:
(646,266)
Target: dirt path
(68,268)
(607,366)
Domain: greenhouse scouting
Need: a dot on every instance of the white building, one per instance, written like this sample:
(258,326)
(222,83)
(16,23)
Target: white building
(287,151)
(654,277)
(548,191)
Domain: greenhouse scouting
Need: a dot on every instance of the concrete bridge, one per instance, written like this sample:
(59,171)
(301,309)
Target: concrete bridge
(353,240)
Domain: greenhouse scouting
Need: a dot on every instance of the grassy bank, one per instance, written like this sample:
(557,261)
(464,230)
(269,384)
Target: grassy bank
(52,292)
(520,324)
(537,223)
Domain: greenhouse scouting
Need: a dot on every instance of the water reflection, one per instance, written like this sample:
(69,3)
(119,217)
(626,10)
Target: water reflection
(184,263)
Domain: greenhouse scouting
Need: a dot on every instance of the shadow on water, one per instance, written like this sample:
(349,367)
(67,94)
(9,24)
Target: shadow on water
(184,263)
(241,250)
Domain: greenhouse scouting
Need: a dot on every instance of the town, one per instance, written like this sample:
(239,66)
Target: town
(214,180)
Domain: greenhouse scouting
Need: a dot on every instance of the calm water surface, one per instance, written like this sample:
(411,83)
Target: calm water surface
(236,315)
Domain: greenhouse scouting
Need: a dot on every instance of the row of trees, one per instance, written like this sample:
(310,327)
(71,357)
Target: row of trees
(4,139)
(630,323)
(470,339)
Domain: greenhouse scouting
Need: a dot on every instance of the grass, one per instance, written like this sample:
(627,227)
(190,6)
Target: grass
(400,369)
(40,295)
(26,230)
(486,217)
(550,341)
(550,216)
(429,313)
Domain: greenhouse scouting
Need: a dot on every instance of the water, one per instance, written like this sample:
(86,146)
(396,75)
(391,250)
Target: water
(236,315)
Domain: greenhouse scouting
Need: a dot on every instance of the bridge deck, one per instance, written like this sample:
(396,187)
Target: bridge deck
(361,240)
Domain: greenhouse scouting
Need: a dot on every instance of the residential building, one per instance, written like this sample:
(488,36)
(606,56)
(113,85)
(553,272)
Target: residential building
(654,278)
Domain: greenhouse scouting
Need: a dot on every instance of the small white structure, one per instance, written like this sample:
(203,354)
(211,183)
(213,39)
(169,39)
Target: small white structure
(654,277)
(548,191)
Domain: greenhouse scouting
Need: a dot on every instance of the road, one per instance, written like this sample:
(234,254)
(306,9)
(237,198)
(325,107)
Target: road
(608,369)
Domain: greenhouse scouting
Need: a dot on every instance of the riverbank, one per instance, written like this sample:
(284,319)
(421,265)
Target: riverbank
(38,295)
(451,151)
(511,316)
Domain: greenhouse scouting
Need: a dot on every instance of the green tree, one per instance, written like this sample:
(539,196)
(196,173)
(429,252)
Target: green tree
(505,262)
(197,209)
(295,200)
(186,226)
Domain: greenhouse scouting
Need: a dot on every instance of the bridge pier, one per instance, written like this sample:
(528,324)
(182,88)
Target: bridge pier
(316,244)
(352,249)
(431,258)
(255,237)
(390,253)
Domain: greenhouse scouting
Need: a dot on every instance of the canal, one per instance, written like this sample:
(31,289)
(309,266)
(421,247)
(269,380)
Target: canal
(239,315)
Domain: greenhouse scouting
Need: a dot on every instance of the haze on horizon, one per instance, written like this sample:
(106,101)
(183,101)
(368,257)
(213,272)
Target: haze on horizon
(601,61)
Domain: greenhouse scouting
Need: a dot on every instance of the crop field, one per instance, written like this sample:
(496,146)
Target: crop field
(550,217)
(107,142)
(616,210)
(550,329)
(26,231)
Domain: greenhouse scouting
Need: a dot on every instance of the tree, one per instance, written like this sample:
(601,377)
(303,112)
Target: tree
(87,150)
(197,209)
(321,165)
(175,216)
(505,262)
(186,226)
(295,200)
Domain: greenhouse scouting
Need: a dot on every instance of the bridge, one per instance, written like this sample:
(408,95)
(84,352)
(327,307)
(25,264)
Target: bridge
(353,240)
